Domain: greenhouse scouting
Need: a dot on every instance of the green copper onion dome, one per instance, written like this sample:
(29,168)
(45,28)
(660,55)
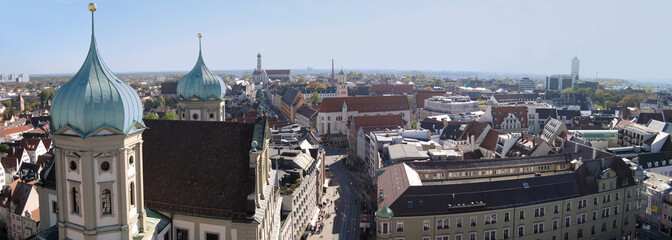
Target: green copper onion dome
(95,98)
(201,82)
(385,212)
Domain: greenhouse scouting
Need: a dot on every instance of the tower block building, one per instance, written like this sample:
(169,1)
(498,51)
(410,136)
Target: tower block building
(200,93)
(97,132)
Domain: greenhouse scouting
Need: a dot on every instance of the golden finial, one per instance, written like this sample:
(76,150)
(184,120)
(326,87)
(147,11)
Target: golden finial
(92,7)
(199,35)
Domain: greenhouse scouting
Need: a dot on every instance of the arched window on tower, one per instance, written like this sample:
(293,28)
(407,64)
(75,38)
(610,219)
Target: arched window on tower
(132,193)
(107,201)
(75,200)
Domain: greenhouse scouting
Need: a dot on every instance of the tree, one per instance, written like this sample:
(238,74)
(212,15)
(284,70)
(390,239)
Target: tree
(149,116)
(630,101)
(169,116)
(46,95)
(315,85)
(160,101)
(259,96)
(4,148)
(314,98)
(8,103)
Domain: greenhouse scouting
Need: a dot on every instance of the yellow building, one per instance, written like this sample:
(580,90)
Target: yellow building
(599,199)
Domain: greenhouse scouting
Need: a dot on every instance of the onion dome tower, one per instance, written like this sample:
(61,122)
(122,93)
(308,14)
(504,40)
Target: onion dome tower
(341,84)
(97,132)
(200,93)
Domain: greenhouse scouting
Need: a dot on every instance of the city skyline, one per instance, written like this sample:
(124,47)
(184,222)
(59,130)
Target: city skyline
(482,36)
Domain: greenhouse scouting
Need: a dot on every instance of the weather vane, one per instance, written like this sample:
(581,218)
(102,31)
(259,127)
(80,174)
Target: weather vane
(92,7)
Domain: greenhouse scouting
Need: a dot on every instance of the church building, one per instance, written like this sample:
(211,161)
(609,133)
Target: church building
(116,176)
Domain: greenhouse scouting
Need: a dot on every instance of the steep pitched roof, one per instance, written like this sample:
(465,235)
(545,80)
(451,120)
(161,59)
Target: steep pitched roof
(454,130)
(490,140)
(20,196)
(501,112)
(475,129)
(210,160)
(30,144)
(404,199)
(290,95)
(306,111)
(365,104)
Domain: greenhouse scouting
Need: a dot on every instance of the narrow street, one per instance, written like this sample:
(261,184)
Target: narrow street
(344,190)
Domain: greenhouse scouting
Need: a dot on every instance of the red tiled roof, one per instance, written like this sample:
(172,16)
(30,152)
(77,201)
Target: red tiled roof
(500,113)
(474,128)
(391,89)
(10,131)
(490,141)
(365,104)
(30,144)
(9,162)
(371,123)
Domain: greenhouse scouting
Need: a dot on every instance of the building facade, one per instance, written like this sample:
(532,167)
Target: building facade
(334,113)
(602,209)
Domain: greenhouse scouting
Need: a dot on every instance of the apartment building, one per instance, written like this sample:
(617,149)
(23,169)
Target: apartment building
(598,200)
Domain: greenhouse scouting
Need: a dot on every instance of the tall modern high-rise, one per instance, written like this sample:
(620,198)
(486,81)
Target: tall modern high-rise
(575,68)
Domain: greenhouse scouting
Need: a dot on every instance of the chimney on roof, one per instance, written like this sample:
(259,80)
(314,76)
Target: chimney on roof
(602,163)
(576,148)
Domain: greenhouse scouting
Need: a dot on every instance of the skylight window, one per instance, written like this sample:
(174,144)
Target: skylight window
(525,185)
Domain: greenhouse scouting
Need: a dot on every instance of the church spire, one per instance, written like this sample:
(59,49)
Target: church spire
(199,44)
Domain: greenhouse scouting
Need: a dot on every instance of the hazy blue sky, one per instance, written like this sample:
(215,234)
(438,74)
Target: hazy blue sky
(627,39)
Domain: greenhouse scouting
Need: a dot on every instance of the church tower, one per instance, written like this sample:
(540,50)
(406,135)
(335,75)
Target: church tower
(342,85)
(200,93)
(259,62)
(97,132)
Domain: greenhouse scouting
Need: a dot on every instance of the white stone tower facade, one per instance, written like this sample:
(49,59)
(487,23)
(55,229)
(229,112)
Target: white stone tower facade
(341,84)
(98,154)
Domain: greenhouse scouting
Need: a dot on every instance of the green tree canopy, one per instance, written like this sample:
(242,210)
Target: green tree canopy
(260,96)
(316,85)
(4,148)
(314,98)
(149,116)
(169,116)
(46,95)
